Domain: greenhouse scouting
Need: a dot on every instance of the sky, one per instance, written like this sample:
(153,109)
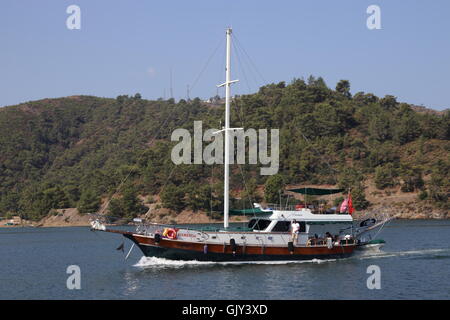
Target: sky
(126,47)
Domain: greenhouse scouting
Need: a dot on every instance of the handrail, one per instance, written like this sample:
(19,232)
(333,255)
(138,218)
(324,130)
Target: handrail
(274,206)
(151,228)
(292,207)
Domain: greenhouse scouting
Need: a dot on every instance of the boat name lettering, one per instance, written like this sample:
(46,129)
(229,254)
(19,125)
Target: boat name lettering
(187,234)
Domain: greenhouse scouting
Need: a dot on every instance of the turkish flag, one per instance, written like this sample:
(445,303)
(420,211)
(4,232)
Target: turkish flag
(350,204)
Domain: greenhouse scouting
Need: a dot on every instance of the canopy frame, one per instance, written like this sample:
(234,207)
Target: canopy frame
(316,191)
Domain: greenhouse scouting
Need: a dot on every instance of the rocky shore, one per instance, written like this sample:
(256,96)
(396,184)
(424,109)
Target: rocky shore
(390,202)
(72,218)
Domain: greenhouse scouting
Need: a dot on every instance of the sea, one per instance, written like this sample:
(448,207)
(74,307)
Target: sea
(76,263)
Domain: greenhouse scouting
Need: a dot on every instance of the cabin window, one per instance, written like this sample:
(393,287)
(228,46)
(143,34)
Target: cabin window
(285,226)
(282,226)
(258,224)
(302,226)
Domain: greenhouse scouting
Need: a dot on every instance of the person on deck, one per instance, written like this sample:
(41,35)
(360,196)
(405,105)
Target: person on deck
(295,230)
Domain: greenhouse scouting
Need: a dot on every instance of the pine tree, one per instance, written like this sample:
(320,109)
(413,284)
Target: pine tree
(273,188)
(343,87)
(172,197)
(89,202)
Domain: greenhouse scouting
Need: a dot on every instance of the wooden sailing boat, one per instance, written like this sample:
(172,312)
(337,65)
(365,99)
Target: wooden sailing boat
(268,235)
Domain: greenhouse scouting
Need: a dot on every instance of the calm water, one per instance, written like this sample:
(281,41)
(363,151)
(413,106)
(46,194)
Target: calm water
(415,264)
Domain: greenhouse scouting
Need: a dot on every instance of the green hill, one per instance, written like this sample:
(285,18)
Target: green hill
(77,151)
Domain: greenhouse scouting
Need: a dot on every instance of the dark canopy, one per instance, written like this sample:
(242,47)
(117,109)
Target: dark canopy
(316,191)
(249,211)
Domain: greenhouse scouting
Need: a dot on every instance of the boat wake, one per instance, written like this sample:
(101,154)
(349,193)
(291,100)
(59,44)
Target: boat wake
(429,253)
(162,263)
(154,262)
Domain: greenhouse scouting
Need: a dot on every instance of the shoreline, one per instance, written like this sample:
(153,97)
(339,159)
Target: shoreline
(31,225)
(70,217)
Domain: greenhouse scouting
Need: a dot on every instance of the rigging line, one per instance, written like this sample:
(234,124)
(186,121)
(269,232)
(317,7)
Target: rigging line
(211,190)
(240,169)
(235,100)
(221,72)
(240,52)
(206,65)
(239,115)
(242,66)
(168,178)
(242,113)
(246,189)
(382,226)
(287,201)
(250,59)
(137,160)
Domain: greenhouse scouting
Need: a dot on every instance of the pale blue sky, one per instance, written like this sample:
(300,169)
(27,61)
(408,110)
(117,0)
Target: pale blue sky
(125,47)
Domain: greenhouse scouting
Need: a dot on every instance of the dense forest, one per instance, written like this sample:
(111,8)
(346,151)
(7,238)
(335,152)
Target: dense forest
(83,151)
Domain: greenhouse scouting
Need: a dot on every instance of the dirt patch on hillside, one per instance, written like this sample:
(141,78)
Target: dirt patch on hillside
(64,218)
(163,215)
(403,205)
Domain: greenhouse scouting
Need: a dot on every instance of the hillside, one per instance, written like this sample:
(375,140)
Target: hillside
(77,151)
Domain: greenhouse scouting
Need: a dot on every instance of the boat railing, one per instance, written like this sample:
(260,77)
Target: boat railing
(274,206)
(316,242)
(291,207)
(312,242)
(297,207)
(152,228)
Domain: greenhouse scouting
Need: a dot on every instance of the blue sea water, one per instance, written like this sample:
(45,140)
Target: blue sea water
(414,264)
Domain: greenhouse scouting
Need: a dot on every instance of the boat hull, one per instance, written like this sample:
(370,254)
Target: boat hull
(180,254)
(177,250)
(371,246)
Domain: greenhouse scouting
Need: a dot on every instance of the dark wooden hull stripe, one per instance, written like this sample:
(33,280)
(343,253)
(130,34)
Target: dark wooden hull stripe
(180,250)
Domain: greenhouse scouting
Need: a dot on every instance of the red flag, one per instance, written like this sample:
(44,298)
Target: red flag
(350,204)
(344,206)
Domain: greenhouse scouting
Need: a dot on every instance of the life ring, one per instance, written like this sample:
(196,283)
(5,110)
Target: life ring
(170,233)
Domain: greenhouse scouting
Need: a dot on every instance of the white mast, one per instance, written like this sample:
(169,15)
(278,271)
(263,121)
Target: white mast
(226,187)
(227,128)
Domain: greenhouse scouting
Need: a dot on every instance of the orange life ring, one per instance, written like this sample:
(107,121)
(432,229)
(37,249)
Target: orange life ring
(170,233)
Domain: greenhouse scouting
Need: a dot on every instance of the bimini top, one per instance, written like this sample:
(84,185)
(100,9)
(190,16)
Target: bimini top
(316,191)
(249,211)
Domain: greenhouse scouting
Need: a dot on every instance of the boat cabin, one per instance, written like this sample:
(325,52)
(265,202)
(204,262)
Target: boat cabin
(314,225)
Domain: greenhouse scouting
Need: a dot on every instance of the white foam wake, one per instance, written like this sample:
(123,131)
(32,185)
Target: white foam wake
(154,262)
(146,262)
(387,254)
